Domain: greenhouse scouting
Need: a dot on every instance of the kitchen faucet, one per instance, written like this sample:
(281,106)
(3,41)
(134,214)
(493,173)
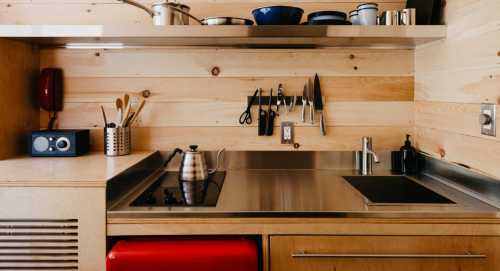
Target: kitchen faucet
(368,156)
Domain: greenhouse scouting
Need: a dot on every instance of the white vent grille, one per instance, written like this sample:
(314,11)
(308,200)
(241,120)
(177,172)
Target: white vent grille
(28,244)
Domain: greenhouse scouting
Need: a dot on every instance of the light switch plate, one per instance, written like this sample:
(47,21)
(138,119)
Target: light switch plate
(287,132)
(489,129)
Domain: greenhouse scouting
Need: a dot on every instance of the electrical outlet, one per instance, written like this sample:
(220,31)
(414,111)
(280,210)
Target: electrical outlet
(287,132)
(487,119)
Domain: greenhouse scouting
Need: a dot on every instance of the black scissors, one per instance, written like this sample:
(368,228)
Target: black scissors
(246,117)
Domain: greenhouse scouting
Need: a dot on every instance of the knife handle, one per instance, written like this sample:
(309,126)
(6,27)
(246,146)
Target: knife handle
(262,122)
(322,124)
(270,123)
(311,112)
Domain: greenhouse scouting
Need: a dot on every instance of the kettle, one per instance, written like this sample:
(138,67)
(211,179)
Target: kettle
(194,167)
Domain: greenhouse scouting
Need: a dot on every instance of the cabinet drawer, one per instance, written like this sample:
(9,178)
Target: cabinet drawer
(384,253)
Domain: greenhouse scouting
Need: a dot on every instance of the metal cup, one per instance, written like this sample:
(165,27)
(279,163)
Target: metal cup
(408,16)
(117,141)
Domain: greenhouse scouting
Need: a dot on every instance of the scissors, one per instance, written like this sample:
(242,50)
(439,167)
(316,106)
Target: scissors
(246,116)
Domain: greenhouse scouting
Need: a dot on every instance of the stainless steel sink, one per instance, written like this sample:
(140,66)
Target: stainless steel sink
(395,190)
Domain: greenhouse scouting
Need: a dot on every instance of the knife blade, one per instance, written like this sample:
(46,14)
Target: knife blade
(310,97)
(318,104)
(304,103)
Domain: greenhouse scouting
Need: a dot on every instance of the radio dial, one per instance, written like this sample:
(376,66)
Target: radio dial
(63,144)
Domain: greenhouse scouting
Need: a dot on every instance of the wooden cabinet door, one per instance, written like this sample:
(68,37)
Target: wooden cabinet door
(384,253)
(52,228)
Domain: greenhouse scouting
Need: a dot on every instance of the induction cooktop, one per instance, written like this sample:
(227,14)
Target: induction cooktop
(165,191)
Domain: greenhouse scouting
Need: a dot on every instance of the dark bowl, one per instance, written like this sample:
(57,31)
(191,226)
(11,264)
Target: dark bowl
(278,15)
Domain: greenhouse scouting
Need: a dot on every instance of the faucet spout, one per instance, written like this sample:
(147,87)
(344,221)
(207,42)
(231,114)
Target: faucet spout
(368,156)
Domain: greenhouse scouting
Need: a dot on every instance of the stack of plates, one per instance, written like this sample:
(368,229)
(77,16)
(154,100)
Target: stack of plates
(327,18)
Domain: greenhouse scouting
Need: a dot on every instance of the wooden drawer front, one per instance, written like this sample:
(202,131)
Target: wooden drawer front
(384,253)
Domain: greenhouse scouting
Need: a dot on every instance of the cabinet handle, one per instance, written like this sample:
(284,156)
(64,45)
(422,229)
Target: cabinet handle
(356,255)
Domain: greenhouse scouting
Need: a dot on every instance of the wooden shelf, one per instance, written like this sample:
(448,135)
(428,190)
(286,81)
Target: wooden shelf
(251,36)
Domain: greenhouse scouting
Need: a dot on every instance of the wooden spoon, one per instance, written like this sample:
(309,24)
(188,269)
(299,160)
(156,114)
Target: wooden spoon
(119,109)
(137,112)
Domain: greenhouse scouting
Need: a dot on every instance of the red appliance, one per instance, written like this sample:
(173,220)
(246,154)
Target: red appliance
(184,254)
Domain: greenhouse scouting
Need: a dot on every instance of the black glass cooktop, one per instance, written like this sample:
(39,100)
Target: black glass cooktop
(166,191)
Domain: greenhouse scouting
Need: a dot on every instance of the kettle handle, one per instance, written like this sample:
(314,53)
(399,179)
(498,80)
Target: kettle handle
(172,155)
(219,155)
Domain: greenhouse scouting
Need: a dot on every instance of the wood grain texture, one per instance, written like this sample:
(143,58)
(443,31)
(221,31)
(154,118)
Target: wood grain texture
(282,247)
(196,89)
(452,78)
(88,205)
(188,104)
(231,62)
(92,170)
(461,118)
(237,138)
(19,113)
(478,153)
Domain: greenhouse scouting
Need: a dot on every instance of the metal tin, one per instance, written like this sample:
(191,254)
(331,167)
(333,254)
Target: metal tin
(408,16)
(117,141)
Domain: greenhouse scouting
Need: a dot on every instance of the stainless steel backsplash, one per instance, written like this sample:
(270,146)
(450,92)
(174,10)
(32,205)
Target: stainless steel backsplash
(238,160)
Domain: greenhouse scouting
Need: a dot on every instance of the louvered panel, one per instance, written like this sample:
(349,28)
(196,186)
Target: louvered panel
(27,244)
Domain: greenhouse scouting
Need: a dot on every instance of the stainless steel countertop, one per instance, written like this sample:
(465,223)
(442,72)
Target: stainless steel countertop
(305,193)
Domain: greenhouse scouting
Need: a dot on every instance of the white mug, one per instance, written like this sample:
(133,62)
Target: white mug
(368,16)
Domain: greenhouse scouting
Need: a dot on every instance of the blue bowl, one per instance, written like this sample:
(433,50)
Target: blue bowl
(278,15)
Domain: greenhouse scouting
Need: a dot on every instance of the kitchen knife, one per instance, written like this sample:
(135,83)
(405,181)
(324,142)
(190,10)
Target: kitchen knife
(271,115)
(310,97)
(262,116)
(304,103)
(318,104)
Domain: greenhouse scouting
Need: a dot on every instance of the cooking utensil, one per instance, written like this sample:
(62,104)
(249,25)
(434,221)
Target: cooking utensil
(226,21)
(126,100)
(119,110)
(194,167)
(135,115)
(126,115)
(368,15)
(354,17)
(281,98)
(304,103)
(318,104)
(271,115)
(262,117)
(327,15)
(166,13)
(310,97)
(246,116)
(104,116)
(278,15)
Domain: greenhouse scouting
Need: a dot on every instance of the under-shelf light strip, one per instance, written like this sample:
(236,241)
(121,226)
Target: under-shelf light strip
(94,46)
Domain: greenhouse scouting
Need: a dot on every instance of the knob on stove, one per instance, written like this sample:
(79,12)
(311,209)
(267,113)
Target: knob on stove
(169,197)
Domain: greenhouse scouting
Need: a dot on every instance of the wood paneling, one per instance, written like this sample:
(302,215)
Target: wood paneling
(478,153)
(18,111)
(232,62)
(364,95)
(237,138)
(452,78)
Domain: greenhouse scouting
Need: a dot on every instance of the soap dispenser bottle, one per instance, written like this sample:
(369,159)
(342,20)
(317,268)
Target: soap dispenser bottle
(408,156)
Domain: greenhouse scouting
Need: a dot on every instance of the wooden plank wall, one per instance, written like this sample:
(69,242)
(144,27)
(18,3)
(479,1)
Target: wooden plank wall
(369,91)
(18,110)
(452,78)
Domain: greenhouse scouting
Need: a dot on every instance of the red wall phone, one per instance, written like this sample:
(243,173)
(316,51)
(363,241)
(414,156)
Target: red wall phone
(50,92)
